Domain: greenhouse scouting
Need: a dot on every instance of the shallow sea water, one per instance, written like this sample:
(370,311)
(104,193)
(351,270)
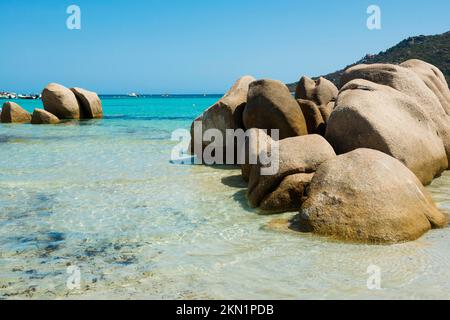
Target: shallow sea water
(103,196)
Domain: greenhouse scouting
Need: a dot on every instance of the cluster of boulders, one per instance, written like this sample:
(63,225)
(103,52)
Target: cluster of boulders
(60,103)
(353,161)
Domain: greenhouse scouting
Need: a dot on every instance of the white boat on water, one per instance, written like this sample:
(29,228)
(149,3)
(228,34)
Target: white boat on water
(28,96)
(8,95)
(133,95)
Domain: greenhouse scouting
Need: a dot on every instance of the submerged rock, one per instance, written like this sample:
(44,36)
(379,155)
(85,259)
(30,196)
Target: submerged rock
(43,117)
(13,113)
(270,105)
(90,103)
(61,102)
(368,196)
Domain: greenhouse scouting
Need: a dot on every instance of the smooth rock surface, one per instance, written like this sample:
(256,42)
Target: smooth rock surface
(41,116)
(224,114)
(368,196)
(433,78)
(270,105)
(313,117)
(320,91)
(289,195)
(90,103)
(11,112)
(61,102)
(295,155)
(409,82)
(390,109)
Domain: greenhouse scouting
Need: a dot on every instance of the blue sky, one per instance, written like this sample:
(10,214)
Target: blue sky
(196,46)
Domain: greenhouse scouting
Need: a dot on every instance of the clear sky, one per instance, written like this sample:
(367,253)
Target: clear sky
(196,46)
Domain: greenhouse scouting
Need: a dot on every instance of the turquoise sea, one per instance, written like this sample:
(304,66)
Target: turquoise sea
(103,196)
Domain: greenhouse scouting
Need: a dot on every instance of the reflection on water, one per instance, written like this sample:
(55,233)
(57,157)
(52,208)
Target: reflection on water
(104,197)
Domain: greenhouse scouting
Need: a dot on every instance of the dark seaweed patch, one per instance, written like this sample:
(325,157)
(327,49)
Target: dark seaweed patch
(44,243)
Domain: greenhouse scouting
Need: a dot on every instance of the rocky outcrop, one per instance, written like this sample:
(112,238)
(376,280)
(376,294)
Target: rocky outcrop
(313,117)
(407,81)
(271,106)
(368,196)
(316,99)
(89,102)
(224,114)
(297,155)
(61,102)
(433,78)
(43,117)
(389,108)
(289,195)
(257,142)
(11,112)
(320,91)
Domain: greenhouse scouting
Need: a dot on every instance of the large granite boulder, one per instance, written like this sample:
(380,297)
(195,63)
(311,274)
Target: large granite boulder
(408,81)
(43,117)
(316,99)
(297,155)
(61,102)
(389,108)
(13,113)
(368,196)
(433,78)
(320,91)
(270,105)
(90,103)
(224,114)
(257,142)
(289,195)
(313,117)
